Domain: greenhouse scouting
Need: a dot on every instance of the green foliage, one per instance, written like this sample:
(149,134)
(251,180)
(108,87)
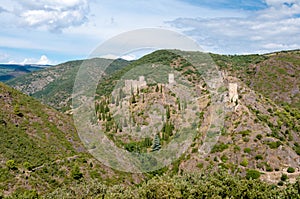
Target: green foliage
(168,115)
(25,194)
(156,88)
(290,170)
(274,145)
(27,165)
(252,174)
(258,157)
(76,173)
(247,150)
(244,162)
(197,185)
(245,133)
(167,130)
(259,136)
(236,148)
(269,168)
(11,165)
(219,147)
(156,143)
(284,177)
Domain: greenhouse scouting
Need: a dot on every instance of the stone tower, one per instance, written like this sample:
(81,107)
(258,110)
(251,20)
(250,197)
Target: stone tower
(233,94)
(171,78)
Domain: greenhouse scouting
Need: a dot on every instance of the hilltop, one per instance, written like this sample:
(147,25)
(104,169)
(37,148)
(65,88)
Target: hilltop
(53,86)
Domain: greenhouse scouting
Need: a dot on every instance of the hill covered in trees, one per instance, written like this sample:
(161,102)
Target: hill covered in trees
(256,155)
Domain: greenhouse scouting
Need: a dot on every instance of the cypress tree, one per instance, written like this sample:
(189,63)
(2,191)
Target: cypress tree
(168,113)
(156,143)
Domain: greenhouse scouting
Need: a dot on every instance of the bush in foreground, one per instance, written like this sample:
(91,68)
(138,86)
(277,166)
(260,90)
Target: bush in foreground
(200,185)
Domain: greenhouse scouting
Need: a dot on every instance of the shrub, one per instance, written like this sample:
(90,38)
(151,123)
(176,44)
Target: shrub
(274,145)
(252,174)
(284,177)
(247,150)
(27,165)
(236,148)
(269,168)
(290,170)
(280,183)
(219,147)
(259,136)
(224,158)
(75,173)
(244,163)
(258,157)
(200,165)
(194,150)
(245,133)
(30,194)
(11,165)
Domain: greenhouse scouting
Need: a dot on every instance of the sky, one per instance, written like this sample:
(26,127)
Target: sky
(55,31)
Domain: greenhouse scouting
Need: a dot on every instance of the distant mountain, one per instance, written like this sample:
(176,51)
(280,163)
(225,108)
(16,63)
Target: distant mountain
(10,71)
(54,85)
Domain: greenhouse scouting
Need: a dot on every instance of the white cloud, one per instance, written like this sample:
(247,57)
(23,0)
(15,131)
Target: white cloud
(109,56)
(54,15)
(272,29)
(42,61)
(129,57)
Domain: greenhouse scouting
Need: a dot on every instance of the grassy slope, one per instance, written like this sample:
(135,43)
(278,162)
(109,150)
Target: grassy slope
(44,146)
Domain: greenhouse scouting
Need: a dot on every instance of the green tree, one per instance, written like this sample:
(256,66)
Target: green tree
(11,165)
(168,115)
(27,165)
(75,173)
(147,142)
(156,143)
(290,170)
(252,174)
(244,163)
(133,100)
(157,88)
(284,177)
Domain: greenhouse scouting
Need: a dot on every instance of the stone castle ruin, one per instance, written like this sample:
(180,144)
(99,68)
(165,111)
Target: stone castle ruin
(233,93)
(134,84)
(171,78)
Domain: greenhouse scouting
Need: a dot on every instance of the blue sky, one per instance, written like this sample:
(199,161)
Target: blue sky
(50,32)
